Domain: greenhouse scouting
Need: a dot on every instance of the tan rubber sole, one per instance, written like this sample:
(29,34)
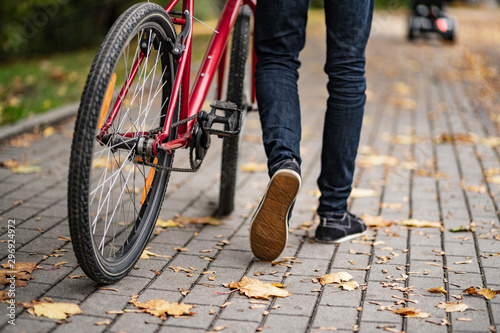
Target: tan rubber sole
(269,229)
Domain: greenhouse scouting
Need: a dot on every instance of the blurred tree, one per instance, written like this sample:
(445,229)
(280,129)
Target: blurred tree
(34,27)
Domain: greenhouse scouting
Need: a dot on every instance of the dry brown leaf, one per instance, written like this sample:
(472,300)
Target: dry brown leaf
(161,308)
(412,312)
(349,285)
(337,277)
(20,271)
(258,289)
(485,292)
(103,323)
(438,290)
(420,223)
(146,254)
(219,328)
(55,310)
(375,222)
(453,306)
(322,328)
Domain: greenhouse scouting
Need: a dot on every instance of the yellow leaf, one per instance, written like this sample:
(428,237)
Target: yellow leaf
(453,306)
(375,222)
(258,289)
(26,169)
(48,131)
(337,277)
(420,223)
(56,310)
(198,220)
(253,167)
(349,285)
(362,193)
(166,224)
(491,141)
(146,254)
(160,308)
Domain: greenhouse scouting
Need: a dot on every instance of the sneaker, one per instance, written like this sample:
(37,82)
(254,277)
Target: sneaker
(338,230)
(269,228)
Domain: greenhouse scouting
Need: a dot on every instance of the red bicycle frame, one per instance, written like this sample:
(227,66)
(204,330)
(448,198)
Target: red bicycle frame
(213,60)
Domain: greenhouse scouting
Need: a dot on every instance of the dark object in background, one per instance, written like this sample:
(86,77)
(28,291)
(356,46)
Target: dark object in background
(428,16)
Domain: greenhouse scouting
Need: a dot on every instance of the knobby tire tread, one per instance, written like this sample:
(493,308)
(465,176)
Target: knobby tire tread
(81,152)
(235,94)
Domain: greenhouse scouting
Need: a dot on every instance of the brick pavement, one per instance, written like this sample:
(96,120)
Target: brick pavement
(416,93)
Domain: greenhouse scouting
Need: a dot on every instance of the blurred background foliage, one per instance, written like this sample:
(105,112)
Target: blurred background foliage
(38,27)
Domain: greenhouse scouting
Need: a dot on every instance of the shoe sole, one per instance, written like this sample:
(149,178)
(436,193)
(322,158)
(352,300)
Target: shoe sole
(343,239)
(269,229)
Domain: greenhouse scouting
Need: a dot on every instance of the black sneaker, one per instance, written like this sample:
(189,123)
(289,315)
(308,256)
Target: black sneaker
(338,230)
(269,229)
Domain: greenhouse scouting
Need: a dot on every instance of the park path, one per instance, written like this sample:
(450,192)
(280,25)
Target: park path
(429,152)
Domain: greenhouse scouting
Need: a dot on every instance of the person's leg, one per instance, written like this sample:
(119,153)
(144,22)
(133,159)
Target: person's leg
(348,27)
(279,37)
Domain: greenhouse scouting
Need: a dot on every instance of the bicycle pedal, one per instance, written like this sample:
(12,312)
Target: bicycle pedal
(231,120)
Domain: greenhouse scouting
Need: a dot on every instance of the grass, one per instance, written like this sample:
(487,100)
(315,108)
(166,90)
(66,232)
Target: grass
(29,87)
(37,85)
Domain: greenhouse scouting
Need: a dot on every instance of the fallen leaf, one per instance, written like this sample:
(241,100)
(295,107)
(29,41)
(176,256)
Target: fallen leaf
(376,160)
(26,169)
(420,223)
(485,292)
(146,254)
(438,290)
(349,285)
(160,308)
(411,312)
(453,306)
(103,323)
(462,262)
(337,277)
(219,328)
(375,222)
(253,167)
(205,220)
(56,310)
(462,228)
(10,163)
(362,193)
(166,224)
(258,289)
(21,271)
(463,319)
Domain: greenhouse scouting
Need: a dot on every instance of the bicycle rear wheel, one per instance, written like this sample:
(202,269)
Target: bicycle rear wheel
(238,93)
(114,197)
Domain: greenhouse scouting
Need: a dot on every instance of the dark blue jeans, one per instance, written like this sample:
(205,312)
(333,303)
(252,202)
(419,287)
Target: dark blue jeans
(280,32)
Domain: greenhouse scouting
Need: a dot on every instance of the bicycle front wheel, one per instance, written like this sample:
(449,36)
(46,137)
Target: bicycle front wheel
(114,195)
(238,93)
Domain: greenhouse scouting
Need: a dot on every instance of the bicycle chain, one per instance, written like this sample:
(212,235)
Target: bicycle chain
(162,167)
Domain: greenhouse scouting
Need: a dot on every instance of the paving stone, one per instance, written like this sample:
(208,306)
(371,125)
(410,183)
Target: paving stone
(285,323)
(339,317)
(75,323)
(135,322)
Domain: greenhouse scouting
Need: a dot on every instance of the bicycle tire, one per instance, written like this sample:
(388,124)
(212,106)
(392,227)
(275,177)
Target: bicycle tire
(236,94)
(109,225)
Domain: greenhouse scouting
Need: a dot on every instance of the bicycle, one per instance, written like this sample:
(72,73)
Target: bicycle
(136,111)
